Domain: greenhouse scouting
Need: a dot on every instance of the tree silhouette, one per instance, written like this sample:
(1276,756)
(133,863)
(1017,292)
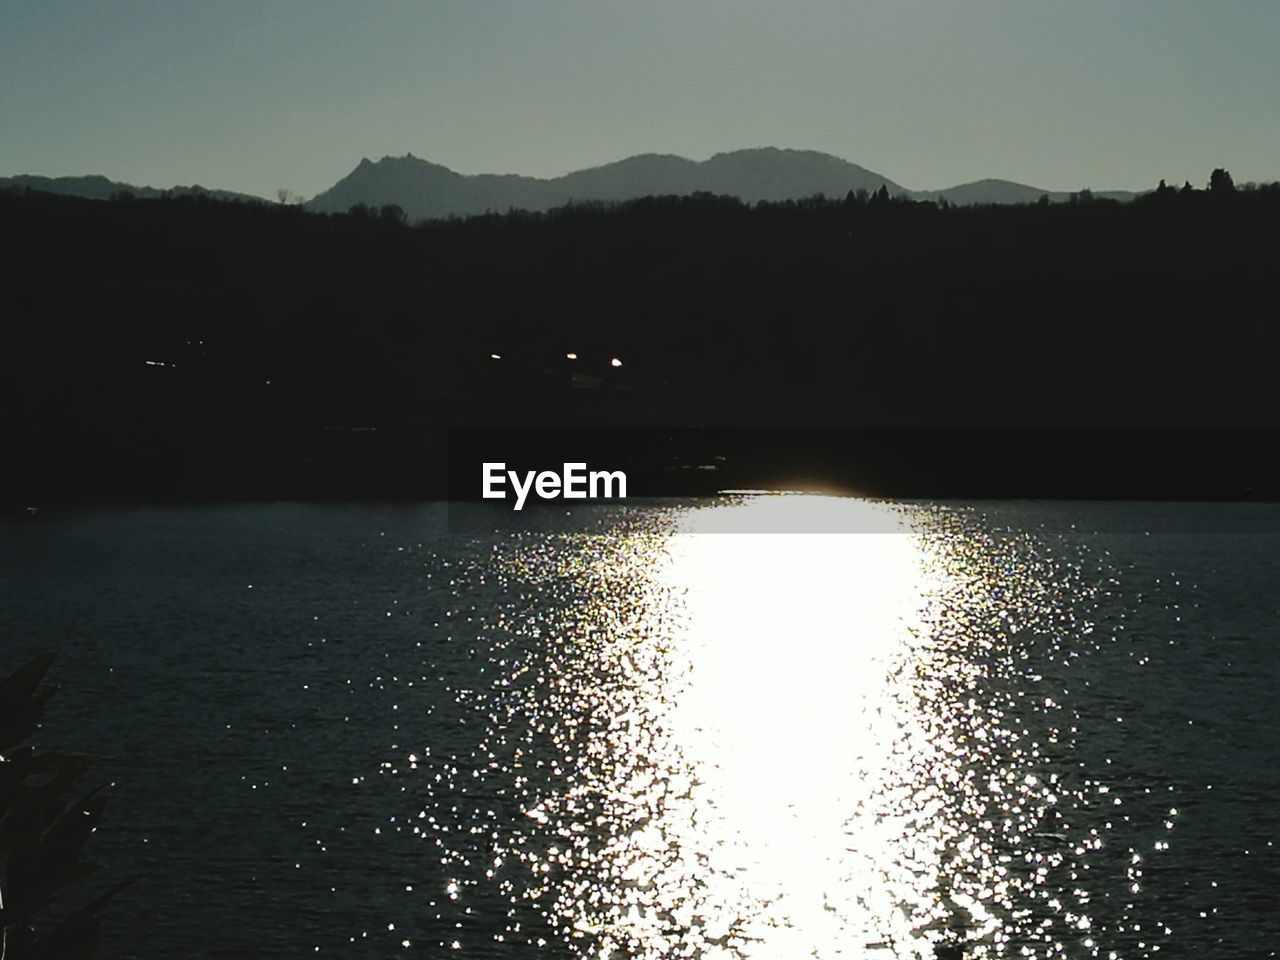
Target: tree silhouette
(392,213)
(1220,182)
(44,828)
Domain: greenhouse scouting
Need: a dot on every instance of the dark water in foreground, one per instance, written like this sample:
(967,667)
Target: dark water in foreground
(343,731)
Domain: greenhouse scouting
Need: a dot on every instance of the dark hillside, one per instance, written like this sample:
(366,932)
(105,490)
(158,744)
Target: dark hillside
(187,346)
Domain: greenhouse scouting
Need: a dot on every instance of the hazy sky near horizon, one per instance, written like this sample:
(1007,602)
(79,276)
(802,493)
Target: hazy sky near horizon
(254,96)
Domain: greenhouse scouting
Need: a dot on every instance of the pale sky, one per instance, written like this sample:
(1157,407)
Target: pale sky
(256,95)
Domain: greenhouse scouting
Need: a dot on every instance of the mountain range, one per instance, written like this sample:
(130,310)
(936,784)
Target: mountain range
(425,190)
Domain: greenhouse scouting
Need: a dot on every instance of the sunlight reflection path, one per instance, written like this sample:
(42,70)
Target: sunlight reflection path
(764,745)
(789,715)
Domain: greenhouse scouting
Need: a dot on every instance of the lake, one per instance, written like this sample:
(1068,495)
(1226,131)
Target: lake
(698,730)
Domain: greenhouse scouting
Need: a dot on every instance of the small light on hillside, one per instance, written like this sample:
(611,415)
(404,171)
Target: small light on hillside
(615,362)
(571,356)
(494,356)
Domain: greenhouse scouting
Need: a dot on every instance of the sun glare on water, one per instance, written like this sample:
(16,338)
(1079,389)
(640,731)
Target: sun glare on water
(789,714)
(738,743)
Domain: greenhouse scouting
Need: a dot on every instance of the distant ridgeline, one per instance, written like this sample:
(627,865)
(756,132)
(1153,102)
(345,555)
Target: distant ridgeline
(96,187)
(192,347)
(425,190)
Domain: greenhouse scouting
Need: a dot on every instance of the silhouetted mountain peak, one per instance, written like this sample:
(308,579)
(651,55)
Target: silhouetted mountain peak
(402,165)
(781,155)
(991,190)
(645,161)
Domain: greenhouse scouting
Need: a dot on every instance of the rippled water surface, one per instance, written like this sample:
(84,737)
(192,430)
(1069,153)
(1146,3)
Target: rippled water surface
(1023,730)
